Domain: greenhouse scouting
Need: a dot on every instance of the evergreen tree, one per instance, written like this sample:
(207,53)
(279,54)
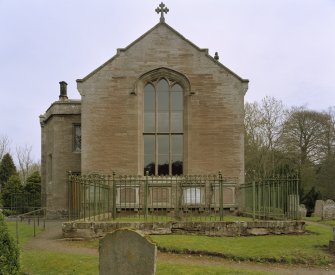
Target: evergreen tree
(11,194)
(32,190)
(7,169)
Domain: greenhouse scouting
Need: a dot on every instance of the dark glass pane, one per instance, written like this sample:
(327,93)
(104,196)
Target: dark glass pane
(177,167)
(149,144)
(177,154)
(163,154)
(149,122)
(163,122)
(149,165)
(177,122)
(162,96)
(177,98)
(163,144)
(149,109)
(163,165)
(149,154)
(177,144)
(149,98)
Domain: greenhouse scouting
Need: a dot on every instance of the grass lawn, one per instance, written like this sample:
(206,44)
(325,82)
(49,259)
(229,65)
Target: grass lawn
(318,220)
(54,263)
(311,248)
(190,269)
(308,249)
(303,249)
(26,231)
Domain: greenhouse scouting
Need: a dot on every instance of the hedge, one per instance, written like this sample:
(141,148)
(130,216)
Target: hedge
(9,252)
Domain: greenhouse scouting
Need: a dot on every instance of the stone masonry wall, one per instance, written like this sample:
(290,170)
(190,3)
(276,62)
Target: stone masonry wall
(78,229)
(58,156)
(112,105)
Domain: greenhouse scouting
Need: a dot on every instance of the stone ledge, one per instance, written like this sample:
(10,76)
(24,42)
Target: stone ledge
(216,229)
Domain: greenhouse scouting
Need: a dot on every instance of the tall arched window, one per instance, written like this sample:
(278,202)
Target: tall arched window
(163,128)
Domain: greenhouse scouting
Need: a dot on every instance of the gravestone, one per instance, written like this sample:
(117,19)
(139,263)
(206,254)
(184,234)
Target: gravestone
(318,208)
(302,211)
(126,252)
(329,210)
(293,206)
(332,243)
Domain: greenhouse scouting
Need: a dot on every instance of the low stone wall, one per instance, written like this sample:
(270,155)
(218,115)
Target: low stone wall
(80,229)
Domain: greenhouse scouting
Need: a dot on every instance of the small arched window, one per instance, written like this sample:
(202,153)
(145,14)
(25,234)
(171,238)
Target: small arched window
(163,128)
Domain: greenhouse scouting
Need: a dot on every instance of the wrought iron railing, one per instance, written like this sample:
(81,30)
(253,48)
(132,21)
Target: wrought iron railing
(274,197)
(128,198)
(97,197)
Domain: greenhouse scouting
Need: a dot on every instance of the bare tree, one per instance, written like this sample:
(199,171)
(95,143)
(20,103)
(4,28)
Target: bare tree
(305,134)
(25,161)
(272,119)
(263,127)
(4,145)
(330,133)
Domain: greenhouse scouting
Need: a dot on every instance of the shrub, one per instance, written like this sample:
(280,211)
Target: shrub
(9,252)
(8,212)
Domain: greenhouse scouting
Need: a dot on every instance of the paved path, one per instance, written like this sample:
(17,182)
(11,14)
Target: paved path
(51,240)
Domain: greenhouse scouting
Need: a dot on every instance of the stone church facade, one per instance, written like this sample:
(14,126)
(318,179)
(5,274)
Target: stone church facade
(161,105)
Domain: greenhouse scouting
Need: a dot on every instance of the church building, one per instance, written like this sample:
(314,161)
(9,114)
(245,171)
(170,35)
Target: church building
(161,106)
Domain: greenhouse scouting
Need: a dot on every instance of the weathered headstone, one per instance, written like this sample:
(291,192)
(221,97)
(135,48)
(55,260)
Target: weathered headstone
(302,211)
(293,206)
(332,243)
(126,252)
(329,210)
(318,208)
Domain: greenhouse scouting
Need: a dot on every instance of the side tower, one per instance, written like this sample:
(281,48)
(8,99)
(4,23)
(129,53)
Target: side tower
(61,150)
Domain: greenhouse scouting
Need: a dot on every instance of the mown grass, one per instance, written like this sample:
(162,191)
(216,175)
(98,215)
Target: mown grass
(300,249)
(309,248)
(54,263)
(319,220)
(50,262)
(25,232)
(331,223)
(194,269)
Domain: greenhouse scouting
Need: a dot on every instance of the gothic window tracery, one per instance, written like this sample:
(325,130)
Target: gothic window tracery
(163,128)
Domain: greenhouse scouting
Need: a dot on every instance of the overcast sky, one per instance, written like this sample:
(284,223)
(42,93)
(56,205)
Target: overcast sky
(286,48)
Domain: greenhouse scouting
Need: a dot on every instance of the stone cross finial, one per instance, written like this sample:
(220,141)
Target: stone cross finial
(162,9)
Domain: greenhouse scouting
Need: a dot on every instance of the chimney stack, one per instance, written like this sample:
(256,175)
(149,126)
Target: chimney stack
(63,91)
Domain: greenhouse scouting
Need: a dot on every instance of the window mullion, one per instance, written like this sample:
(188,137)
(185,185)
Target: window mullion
(170,161)
(156,126)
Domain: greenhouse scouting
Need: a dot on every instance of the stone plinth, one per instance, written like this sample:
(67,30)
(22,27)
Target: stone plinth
(82,229)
